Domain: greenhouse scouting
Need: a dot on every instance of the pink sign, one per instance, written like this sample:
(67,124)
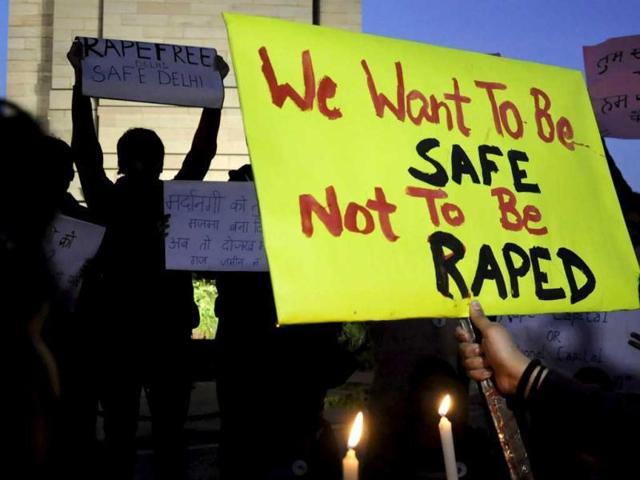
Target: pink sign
(613,80)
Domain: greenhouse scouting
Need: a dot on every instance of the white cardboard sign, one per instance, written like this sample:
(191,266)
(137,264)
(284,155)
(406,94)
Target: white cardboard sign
(69,244)
(213,226)
(151,72)
(568,342)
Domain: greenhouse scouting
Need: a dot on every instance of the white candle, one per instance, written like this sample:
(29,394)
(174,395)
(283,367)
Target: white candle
(350,464)
(446,437)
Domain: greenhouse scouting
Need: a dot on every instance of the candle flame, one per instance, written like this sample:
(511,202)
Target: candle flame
(356,431)
(445,404)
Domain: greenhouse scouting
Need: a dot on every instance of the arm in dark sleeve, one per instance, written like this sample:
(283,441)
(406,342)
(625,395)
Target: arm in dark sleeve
(599,423)
(96,186)
(622,187)
(203,148)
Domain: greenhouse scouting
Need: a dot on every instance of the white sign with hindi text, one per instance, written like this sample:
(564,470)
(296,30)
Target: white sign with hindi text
(69,245)
(213,226)
(151,72)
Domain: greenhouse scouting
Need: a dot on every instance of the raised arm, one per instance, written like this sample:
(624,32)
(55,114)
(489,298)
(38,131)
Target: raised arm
(88,157)
(205,141)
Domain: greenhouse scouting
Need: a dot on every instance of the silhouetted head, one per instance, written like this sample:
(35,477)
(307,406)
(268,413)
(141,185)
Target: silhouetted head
(140,154)
(242,174)
(28,201)
(28,198)
(60,164)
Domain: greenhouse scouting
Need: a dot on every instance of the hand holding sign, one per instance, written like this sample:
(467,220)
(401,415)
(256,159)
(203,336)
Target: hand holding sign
(74,55)
(497,355)
(221,66)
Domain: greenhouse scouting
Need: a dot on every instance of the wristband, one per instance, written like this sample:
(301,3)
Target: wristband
(526,376)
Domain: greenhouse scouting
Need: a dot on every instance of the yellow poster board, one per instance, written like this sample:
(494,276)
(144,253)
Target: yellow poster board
(402,180)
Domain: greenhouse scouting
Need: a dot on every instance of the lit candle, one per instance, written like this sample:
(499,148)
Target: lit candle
(446,437)
(350,462)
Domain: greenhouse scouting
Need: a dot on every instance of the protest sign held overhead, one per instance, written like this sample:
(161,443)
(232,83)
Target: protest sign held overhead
(613,79)
(213,226)
(401,180)
(151,72)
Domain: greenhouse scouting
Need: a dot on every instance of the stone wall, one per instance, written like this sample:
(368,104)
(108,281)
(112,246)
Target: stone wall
(40,79)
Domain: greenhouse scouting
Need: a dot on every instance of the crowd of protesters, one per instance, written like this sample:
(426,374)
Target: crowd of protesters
(271,381)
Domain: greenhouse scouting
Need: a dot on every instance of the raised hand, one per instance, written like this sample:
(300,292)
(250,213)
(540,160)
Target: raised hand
(221,66)
(496,356)
(74,55)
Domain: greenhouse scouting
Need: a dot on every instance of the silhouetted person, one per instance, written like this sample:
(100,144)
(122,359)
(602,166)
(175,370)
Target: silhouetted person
(60,154)
(30,386)
(146,312)
(630,205)
(272,382)
(629,200)
(69,334)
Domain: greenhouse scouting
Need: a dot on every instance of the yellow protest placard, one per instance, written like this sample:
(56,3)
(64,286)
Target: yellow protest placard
(401,180)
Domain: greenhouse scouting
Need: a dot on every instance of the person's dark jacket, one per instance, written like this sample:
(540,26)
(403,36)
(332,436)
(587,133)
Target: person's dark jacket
(129,268)
(597,428)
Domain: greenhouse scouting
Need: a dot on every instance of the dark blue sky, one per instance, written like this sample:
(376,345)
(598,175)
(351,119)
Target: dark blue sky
(545,31)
